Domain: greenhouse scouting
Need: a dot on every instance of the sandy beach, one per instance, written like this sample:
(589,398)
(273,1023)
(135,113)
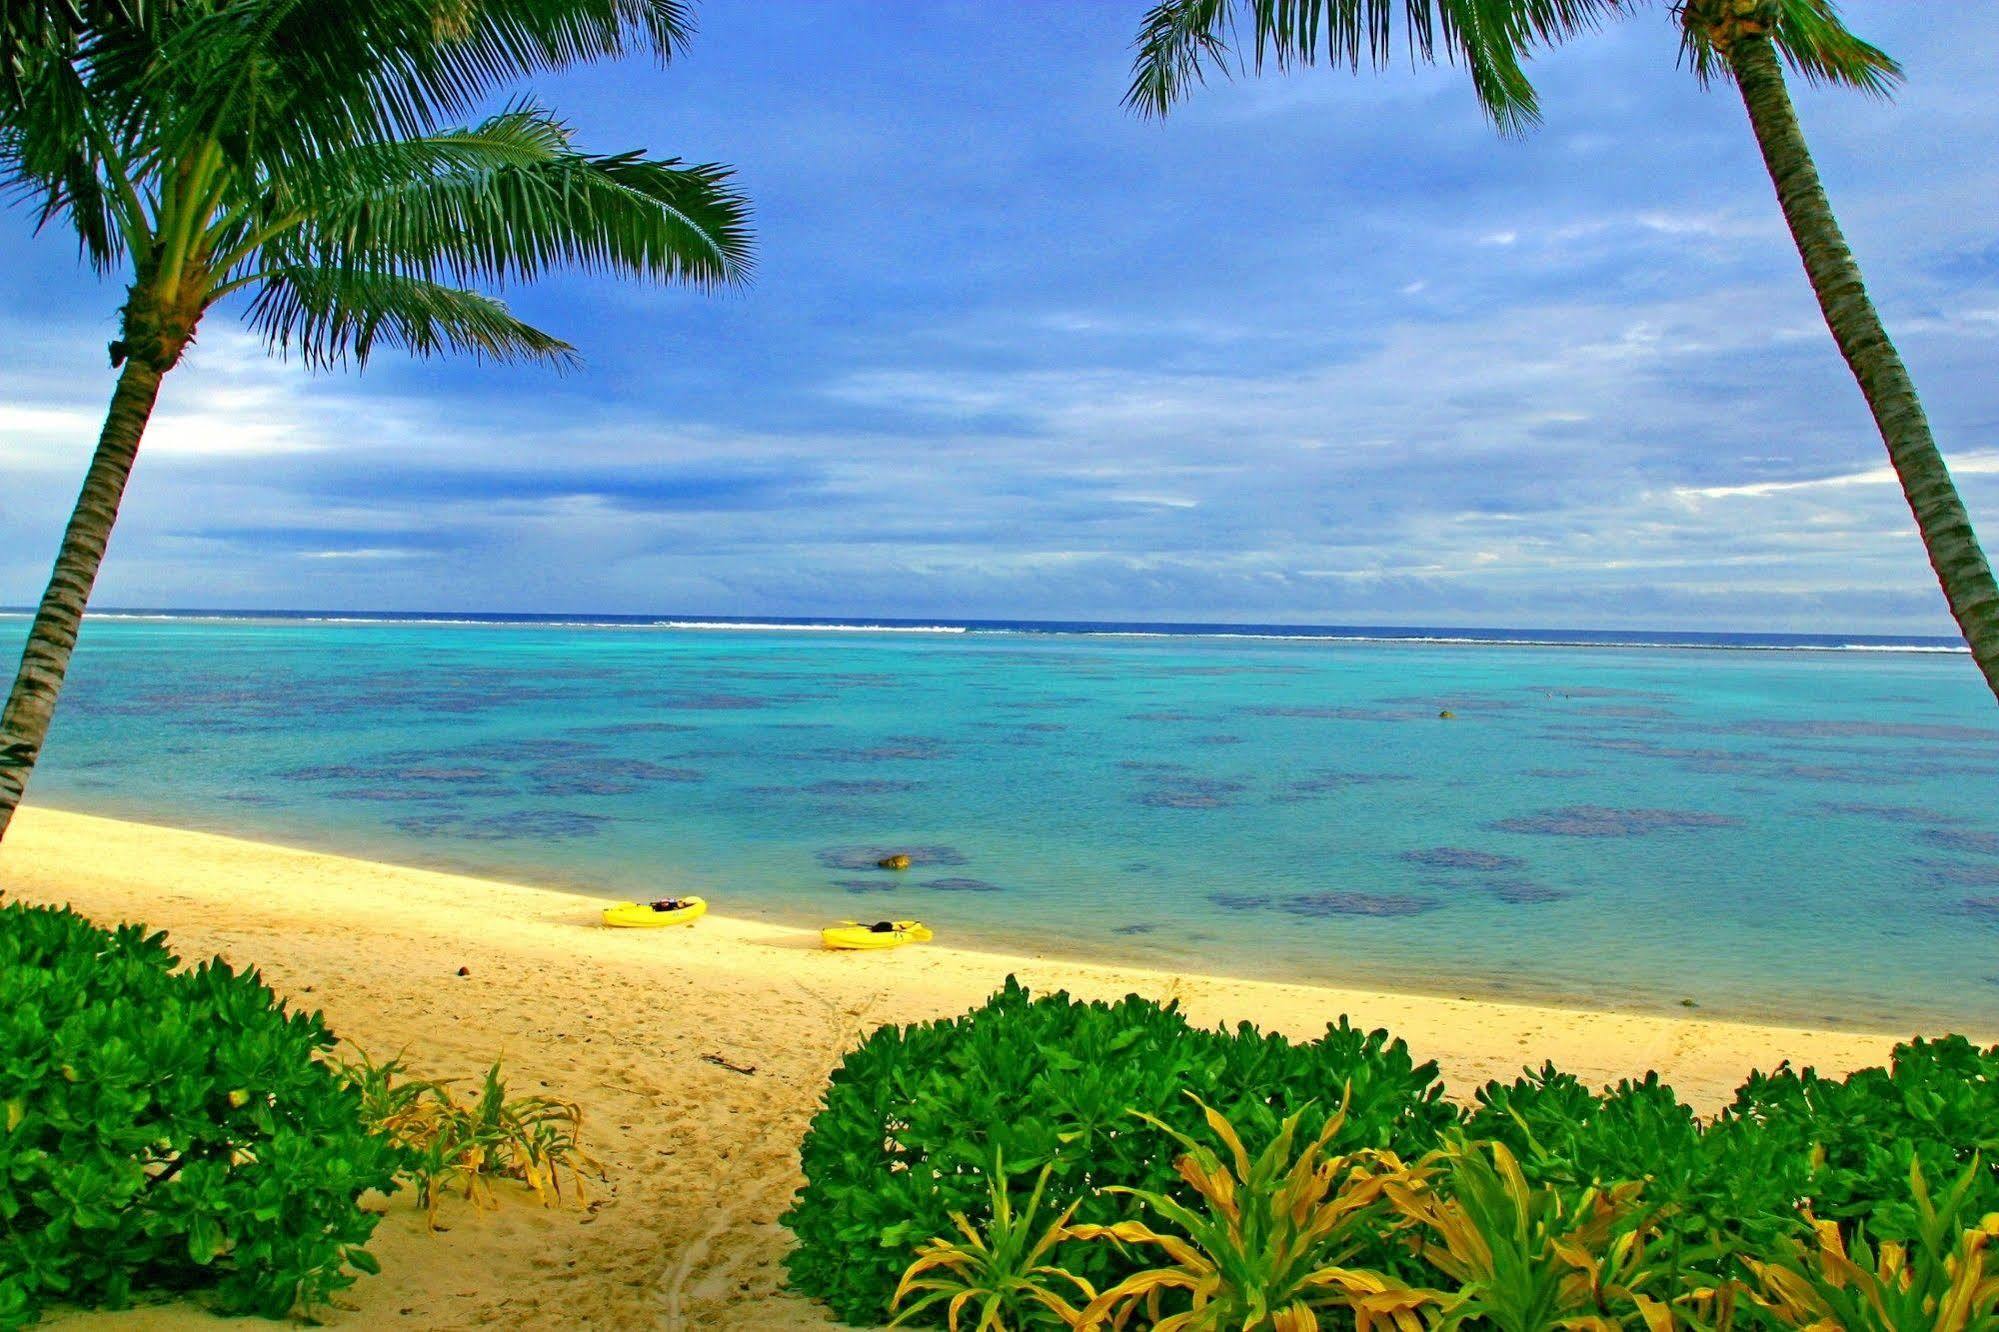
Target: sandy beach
(701,1157)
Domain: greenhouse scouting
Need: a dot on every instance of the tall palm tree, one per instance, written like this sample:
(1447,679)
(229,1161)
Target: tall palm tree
(296,158)
(1747,42)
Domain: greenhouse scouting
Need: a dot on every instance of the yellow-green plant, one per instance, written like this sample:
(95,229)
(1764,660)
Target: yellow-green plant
(1524,1259)
(1267,1251)
(445,1141)
(1938,1282)
(1003,1273)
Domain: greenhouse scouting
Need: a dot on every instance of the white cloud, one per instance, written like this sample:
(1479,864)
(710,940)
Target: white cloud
(1969,464)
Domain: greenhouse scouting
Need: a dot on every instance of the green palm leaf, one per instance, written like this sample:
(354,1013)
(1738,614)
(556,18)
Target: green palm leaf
(510,199)
(1180,40)
(330,316)
(286,81)
(1812,40)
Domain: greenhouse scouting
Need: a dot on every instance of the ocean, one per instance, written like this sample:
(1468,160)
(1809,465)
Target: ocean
(1793,828)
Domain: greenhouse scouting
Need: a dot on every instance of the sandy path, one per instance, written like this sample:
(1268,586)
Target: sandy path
(702,1159)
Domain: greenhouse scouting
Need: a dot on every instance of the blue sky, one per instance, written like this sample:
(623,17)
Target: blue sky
(1316,348)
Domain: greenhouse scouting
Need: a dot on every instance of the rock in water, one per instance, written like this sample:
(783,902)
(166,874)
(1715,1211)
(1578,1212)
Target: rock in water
(898,861)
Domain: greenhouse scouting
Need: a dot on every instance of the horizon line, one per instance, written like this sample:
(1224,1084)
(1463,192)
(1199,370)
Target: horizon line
(692,620)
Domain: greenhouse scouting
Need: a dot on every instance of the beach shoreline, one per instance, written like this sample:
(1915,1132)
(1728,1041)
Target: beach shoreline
(702,1157)
(1035,940)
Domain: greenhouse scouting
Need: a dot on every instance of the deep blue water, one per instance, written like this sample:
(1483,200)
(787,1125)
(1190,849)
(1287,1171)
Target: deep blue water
(1796,827)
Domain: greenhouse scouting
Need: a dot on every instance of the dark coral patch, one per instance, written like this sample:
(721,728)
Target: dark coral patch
(893,749)
(1319,713)
(1355,904)
(329,772)
(1164,717)
(470,773)
(392,795)
(875,885)
(1593,691)
(1191,793)
(636,728)
(1330,780)
(1968,875)
(1217,740)
(515,750)
(839,789)
(1885,813)
(870,857)
(1974,841)
(1983,908)
(1726,762)
(1823,729)
(959,884)
(605,776)
(1240,901)
(519,825)
(1601,821)
(1464,858)
(1628,712)
(1523,892)
(1136,927)
(715,702)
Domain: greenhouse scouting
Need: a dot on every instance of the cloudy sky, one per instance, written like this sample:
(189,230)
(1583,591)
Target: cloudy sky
(1314,349)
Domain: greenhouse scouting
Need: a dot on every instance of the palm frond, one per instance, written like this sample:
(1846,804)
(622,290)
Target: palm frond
(333,316)
(50,157)
(1813,40)
(286,81)
(520,135)
(510,199)
(1177,41)
(1180,40)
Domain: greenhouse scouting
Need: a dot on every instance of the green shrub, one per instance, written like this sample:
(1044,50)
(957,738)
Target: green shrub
(1840,1146)
(168,1130)
(1849,1142)
(912,1117)
(1716,1192)
(915,1115)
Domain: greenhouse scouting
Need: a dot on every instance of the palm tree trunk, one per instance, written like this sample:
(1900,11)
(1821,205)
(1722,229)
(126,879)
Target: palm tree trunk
(32,702)
(1856,326)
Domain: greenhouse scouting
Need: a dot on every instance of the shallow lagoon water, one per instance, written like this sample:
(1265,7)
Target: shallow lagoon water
(1795,835)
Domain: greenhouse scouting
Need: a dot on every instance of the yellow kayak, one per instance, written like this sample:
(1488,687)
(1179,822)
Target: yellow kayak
(655,915)
(883,934)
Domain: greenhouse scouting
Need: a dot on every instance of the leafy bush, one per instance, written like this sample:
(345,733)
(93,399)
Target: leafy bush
(1841,1146)
(1849,1142)
(445,1141)
(168,1129)
(1720,1189)
(914,1117)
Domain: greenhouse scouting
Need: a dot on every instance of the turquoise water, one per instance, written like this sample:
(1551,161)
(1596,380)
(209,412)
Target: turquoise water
(1801,835)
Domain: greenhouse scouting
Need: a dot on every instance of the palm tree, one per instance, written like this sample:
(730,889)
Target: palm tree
(296,158)
(1745,41)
